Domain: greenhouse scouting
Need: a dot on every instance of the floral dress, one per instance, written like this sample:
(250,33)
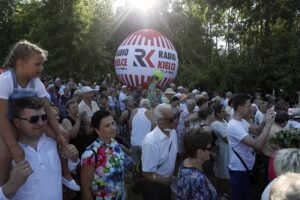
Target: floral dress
(192,184)
(108,177)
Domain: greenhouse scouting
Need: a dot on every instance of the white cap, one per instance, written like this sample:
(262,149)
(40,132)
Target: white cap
(180,88)
(195,91)
(124,86)
(51,86)
(86,89)
(169,91)
(203,93)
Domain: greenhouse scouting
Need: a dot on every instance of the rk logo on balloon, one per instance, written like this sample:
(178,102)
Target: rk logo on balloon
(141,54)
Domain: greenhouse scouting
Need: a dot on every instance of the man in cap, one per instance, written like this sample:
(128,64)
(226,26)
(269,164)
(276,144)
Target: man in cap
(167,95)
(87,104)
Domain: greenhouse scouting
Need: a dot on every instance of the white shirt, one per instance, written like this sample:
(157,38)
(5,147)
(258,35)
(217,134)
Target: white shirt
(266,193)
(111,101)
(236,132)
(259,118)
(122,97)
(159,152)
(89,111)
(45,182)
(141,125)
(292,124)
(7,86)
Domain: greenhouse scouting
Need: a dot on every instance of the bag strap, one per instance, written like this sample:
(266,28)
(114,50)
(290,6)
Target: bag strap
(241,160)
(167,156)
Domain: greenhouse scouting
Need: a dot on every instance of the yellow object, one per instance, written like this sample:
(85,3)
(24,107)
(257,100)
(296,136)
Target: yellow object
(158,74)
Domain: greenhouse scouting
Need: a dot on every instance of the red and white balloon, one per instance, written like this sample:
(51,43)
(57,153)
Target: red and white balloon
(143,52)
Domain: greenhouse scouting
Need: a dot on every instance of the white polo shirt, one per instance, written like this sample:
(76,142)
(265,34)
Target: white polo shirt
(159,152)
(236,131)
(45,181)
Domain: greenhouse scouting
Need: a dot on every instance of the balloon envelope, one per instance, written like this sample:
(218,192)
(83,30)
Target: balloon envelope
(143,52)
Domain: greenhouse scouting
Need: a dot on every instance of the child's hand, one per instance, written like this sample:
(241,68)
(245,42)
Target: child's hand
(70,152)
(17,153)
(20,173)
(61,140)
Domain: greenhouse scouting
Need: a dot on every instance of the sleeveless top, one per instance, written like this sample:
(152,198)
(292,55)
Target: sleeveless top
(141,125)
(82,140)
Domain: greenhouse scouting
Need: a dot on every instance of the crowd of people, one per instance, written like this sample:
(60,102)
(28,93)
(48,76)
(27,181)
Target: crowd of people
(98,139)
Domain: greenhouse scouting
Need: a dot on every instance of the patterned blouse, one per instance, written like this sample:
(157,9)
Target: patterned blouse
(108,181)
(192,184)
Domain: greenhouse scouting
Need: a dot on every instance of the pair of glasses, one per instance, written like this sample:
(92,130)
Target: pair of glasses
(169,120)
(34,119)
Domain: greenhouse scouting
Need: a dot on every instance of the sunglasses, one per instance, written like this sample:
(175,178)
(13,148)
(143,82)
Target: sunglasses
(34,119)
(169,120)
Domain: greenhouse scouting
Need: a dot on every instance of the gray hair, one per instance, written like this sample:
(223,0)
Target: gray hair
(145,103)
(157,113)
(287,160)
(190,102)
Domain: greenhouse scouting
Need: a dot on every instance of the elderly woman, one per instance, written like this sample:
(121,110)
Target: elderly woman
(286,160)
(221,171)
(77,126)
(102,172)
(192,184)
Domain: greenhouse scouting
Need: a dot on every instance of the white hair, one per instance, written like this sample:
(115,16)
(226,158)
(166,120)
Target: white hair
(287,160)
(287,186)
(157,113)
(145,103)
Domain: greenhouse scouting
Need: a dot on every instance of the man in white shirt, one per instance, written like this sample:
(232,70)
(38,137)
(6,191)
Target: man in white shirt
(243,144)
(40,175)
(141,122)
(122,97)
(159,151)
(87,104)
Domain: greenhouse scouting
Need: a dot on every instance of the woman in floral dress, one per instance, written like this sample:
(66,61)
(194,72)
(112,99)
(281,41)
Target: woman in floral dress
(192,184)
(102,163)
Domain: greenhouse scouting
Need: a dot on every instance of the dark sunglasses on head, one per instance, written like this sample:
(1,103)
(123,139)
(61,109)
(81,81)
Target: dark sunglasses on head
(34,119)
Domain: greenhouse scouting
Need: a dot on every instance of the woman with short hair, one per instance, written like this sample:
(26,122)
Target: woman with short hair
(102,171)
(192,182)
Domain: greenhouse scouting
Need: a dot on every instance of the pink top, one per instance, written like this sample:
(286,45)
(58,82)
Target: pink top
(271,170)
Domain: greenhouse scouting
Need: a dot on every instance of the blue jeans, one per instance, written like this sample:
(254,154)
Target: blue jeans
(240,185)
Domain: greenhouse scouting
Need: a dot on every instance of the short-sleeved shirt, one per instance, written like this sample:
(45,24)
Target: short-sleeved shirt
(108,177)
(152,91)
(83,107)
(7,86)
(192,184)
(159,152)
(236,132)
